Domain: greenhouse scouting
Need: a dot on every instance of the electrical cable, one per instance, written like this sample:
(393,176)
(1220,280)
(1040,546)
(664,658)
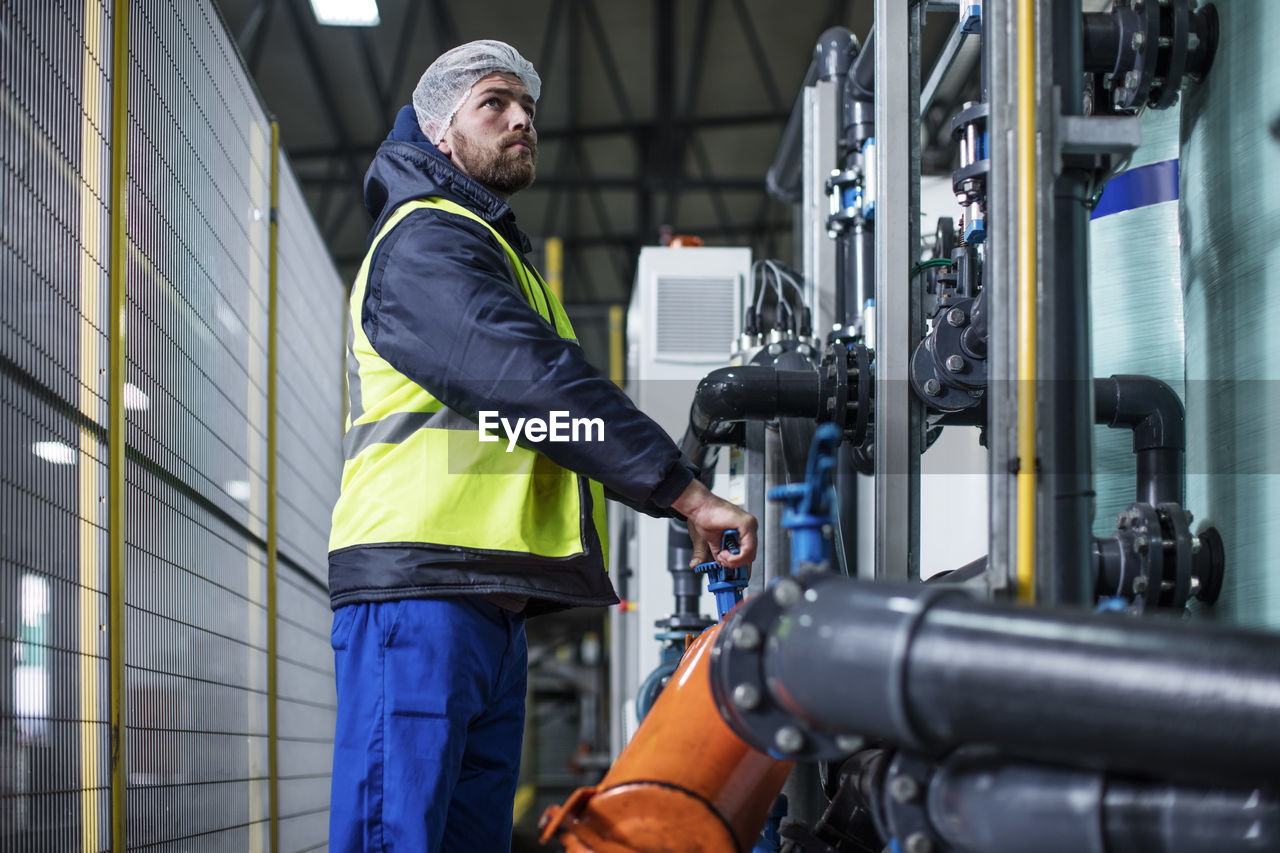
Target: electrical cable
(837,533)
(929,264)
(761,271)
(785,273)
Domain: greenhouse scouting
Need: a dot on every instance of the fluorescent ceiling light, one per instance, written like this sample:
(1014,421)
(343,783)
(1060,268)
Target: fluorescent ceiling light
(55,452)
(238,490)
(346,13)
(135,398)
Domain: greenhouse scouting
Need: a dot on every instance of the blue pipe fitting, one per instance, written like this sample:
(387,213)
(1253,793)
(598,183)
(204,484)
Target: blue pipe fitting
(807,511)
(722,581)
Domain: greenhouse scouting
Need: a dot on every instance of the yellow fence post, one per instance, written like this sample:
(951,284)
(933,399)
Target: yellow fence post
(553,248)
(115,408)
(273,246)
(617,344)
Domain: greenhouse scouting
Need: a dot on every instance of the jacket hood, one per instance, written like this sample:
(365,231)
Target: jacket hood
(407,167)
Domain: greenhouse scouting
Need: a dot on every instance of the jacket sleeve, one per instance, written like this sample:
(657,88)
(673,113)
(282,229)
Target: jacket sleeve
(442,308)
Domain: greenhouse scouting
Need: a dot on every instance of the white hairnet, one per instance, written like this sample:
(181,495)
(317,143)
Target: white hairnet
(444,86)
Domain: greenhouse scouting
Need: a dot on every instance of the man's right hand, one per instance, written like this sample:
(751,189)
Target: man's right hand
(709,517)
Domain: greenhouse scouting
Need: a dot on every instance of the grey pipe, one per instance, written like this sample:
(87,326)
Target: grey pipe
(987,804)
(832,56)
(934,668)
(1153,411)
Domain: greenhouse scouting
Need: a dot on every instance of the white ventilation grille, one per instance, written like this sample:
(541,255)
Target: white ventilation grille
(695,316)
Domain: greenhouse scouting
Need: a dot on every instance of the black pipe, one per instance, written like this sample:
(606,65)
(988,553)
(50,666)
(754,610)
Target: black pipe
(686,584)
(932,668)
(1145,405)
(832,55)
(974,337)
(967,572)
(862,73)
(728,396)
(1100,41)
(1066,455)
(987,804)
(753,392)
(864,269)
(1153,411)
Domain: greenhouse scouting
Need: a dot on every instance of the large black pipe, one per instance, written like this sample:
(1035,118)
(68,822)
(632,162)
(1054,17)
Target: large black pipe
(1067,453)
(935,669)
(753,392)
(832,55)
(1152,410)
(985,803)
(727,397)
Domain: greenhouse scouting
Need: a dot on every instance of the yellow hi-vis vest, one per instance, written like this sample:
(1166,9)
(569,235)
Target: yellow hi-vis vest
(416,472)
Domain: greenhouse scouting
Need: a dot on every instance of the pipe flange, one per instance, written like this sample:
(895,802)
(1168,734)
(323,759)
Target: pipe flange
(1166,95)
(1178,576)
(750,683)
(1160,44)
(835,375)
(1210,561)
(944,374)
(739,687)
(903,803)
(865,384)
(1142,537)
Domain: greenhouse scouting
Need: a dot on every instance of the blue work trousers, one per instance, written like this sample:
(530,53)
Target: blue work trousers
(430,722)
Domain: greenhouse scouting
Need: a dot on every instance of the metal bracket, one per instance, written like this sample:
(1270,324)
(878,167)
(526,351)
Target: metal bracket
(1099,138)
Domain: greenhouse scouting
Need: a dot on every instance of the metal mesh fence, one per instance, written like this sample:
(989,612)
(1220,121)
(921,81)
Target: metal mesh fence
(197,578)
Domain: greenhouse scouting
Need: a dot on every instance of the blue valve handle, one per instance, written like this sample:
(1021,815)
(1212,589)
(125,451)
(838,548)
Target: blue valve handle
(807,505)
(722,581)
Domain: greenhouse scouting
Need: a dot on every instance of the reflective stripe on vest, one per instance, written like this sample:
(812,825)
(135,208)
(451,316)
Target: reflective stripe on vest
(416,472)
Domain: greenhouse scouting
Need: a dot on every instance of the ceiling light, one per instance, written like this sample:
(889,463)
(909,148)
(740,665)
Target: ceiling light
(55,452)
(238,490)
(135,398)
(346,13)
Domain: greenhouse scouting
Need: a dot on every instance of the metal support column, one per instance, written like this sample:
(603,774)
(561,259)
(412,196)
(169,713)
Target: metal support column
(1000,55)
(898,436)
(821,131)
(273,649)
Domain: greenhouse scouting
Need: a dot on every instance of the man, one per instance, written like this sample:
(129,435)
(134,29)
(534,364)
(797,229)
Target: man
(444,537)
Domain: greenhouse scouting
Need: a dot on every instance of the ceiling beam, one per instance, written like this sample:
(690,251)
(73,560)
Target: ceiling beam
(316,68)
(569,180)
(302,153)
(746,231)
(759,53)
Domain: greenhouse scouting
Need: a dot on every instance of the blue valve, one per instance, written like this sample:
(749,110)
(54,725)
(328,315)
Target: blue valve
(807,505)
(723,581)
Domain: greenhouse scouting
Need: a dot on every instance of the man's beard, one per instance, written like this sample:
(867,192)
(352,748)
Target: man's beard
(506,171)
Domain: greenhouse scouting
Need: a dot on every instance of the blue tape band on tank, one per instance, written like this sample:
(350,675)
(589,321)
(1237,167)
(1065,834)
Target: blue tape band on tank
(1140,187)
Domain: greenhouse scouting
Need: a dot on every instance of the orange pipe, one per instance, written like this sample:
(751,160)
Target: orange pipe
(685,784)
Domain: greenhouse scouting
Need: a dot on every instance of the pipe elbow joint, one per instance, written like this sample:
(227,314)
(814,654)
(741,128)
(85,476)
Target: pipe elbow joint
(1146,405)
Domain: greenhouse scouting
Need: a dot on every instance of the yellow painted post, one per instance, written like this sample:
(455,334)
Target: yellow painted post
(1027,343)
(554,248)
(617,344)
(115,409)
(273,247)
(90,507)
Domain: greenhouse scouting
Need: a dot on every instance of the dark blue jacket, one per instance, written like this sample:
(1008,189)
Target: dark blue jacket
(442,308)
